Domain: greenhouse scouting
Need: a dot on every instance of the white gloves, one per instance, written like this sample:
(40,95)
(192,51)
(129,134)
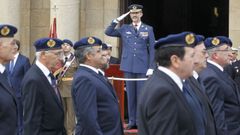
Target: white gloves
(149,72)
(117,20)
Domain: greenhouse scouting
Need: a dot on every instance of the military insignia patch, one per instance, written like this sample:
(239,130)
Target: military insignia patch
(5,31)
(144,34)
(215,41)
(190,39)
(51,43)
(91,40)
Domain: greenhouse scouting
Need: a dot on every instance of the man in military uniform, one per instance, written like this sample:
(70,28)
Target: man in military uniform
(65,82)
(233,69)
(137,58)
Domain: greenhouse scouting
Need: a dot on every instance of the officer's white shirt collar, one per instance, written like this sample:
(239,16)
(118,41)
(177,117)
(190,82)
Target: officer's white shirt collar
(90,67)
(195,74)
(215,64)
(68,56)
(15,57)
(44,69)
(2,68)
(172,75)
(138,24)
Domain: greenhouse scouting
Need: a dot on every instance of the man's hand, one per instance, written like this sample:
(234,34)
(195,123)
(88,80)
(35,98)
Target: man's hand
(120,18)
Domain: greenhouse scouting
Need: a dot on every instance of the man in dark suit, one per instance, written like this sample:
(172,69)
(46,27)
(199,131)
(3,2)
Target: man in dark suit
(163,108)
(16,70)
(8,101)
(204,113)
(42,104)
(221,90)
(137,60)
(95,100)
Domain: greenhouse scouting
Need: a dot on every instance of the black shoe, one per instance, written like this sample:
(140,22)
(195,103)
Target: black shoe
(131,127)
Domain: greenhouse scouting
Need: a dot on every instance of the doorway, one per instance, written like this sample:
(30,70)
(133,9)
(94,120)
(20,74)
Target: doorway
(206,17)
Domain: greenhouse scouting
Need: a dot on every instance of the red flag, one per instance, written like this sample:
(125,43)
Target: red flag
(53,29)
(50,32)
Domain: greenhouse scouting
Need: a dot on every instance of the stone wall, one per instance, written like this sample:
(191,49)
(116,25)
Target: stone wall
(234,22)
(33,18)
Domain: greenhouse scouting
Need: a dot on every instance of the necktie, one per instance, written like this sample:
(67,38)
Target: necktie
(135,28)
(65,60)
(11,66)
(101,74)
(54,85)
(104,77)
(195,106)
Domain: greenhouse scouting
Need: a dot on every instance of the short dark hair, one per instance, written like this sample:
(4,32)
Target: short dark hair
(17,43)
(163,55)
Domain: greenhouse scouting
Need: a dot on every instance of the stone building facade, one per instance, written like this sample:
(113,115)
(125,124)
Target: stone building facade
(77,19)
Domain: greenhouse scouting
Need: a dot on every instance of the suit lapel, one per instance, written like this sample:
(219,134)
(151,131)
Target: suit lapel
(18,61)
(48,85)
(131,28)
(227,79)
(110,88)
(177,91)
(4,82)
(202,98)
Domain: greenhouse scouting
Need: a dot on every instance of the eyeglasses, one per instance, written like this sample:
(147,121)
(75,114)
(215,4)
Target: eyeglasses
(224,50)
(59,53)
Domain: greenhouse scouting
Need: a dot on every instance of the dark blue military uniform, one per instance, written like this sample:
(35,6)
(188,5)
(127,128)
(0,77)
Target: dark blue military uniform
(137,57)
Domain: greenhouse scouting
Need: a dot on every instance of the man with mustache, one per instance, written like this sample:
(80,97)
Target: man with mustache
(137,55)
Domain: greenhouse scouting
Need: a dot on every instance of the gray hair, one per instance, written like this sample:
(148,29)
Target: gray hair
(80,53)
(211,51)
(38,54)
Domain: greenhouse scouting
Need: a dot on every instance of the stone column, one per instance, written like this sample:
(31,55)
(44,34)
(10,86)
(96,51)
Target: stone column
(10,13)
(67,14)
(234,21)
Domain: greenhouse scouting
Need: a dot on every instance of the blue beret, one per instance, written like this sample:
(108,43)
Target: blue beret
(68,42)
(104,46)
(45,44)
(135,8)
(87,42)
(217,41)
(174,40)
(199,39)
(7,30)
